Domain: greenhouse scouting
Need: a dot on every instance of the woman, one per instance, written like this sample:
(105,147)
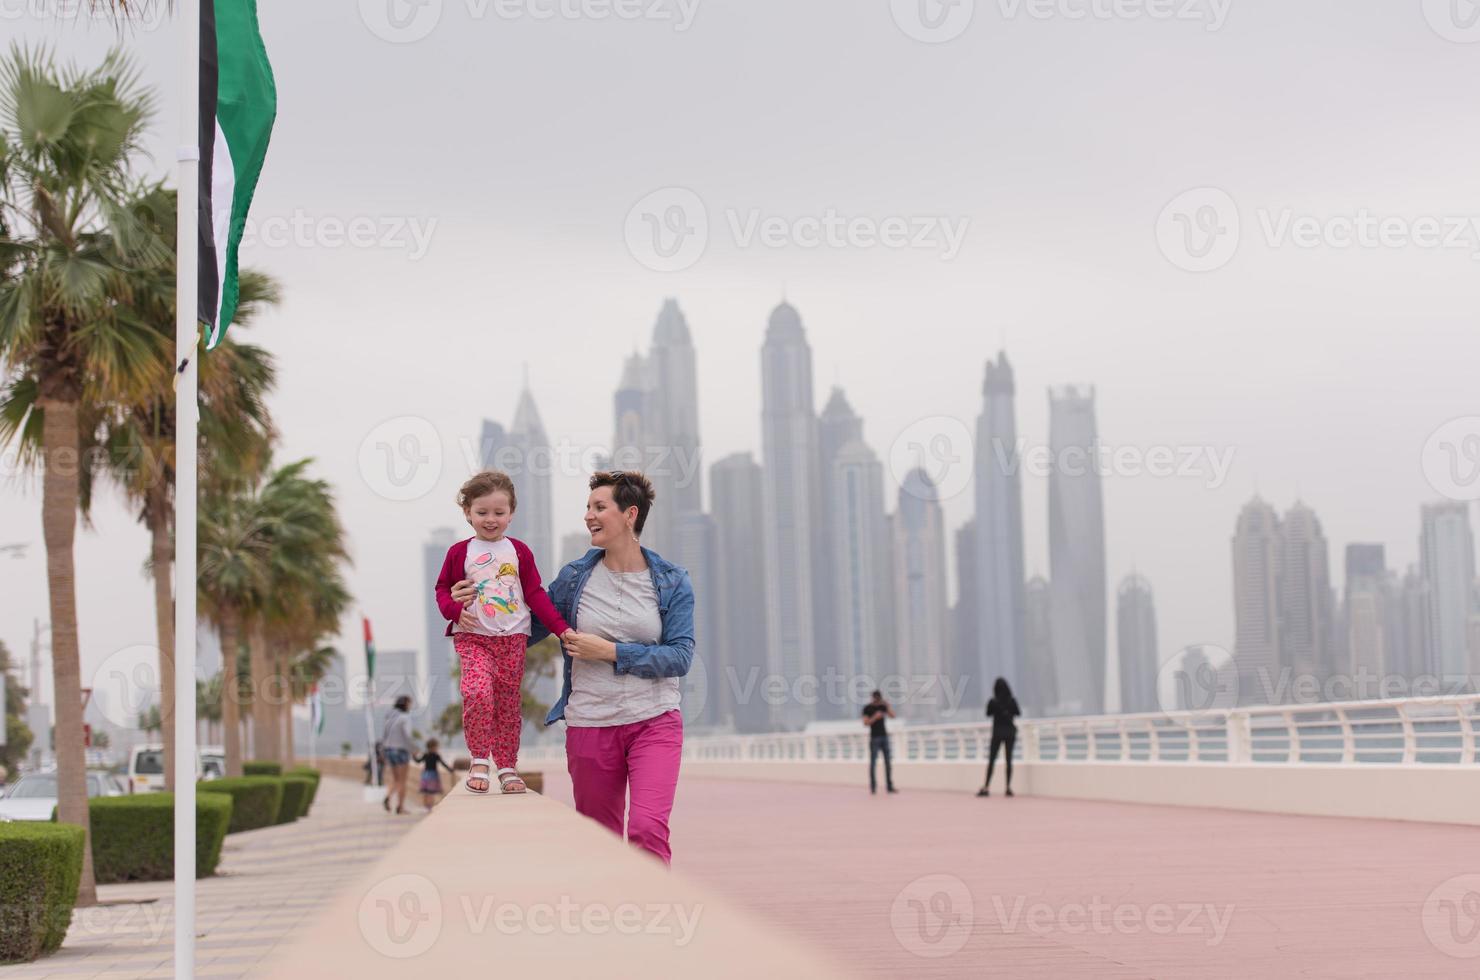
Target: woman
(398,744)
(632,614)
(1002,709)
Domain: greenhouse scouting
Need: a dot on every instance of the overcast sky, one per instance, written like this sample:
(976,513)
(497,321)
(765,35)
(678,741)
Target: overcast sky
(496,164)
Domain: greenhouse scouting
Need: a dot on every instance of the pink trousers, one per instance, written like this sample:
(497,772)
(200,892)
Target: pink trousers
(642,758)
(492,675)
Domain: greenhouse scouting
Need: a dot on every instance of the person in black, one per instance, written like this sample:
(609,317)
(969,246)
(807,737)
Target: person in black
(1002,709)
(874,714)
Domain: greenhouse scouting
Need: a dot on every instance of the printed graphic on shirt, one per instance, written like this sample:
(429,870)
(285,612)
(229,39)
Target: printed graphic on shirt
(493,568)
(498,592)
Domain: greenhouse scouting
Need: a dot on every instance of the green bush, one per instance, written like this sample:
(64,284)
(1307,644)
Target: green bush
(40,866)
(313,793)
(255,800)
(262,768)
(133,837)
(295,798)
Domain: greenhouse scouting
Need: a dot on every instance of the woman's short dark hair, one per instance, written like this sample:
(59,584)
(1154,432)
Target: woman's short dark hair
(629,489)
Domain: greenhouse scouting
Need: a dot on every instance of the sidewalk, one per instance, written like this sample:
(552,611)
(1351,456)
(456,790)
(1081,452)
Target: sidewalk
(268,883)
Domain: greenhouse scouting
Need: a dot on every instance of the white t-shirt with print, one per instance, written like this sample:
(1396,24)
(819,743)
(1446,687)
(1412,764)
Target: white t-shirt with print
(493,568)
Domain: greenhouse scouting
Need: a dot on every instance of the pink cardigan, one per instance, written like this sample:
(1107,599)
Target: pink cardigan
(454,570)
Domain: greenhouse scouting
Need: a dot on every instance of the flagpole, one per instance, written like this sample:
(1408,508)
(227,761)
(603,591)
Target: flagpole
(186,406)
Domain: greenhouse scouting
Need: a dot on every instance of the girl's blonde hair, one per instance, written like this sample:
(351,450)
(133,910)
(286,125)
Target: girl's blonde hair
(482,484)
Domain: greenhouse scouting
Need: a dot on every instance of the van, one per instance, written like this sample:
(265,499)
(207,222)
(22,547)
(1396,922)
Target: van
(146,767)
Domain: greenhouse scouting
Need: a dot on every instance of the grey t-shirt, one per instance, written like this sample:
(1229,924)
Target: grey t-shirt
(621,607)
(397,734)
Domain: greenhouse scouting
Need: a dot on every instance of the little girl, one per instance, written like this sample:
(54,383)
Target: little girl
(431,780)
(490,633)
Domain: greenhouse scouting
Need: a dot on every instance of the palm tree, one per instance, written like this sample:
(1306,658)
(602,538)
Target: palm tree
(67,138)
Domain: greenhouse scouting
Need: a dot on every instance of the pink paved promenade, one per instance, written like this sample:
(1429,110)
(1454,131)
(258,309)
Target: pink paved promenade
(927,884)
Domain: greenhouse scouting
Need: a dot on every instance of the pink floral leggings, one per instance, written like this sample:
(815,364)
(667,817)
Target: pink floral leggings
(492,674)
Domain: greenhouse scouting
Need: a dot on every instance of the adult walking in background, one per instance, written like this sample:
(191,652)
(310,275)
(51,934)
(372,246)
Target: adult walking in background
(874,714)
(1003,710)
(397,739)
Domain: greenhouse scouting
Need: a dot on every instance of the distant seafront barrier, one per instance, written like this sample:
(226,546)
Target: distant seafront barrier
(1401,759)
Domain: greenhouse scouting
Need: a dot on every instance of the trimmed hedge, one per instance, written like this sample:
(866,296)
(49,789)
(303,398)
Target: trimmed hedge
(313,794)
(133,837)
(40,866)
(295,798)
(255,800)
(262,768)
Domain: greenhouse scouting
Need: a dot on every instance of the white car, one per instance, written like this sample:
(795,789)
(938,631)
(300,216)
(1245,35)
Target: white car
(146,766)
(34,796)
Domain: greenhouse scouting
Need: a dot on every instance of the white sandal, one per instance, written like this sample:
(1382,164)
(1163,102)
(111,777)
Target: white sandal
(509,778)
(486,775)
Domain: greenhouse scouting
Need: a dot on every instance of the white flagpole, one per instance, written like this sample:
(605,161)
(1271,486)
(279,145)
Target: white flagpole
(187,404)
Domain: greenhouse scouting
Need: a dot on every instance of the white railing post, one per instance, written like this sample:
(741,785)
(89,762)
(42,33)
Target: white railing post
(1030,742)
(1239,737)
(1348,738)
(1466,735)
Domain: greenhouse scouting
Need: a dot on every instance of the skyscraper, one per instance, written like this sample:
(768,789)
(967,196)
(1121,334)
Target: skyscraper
(1042,688)
(860,564)
(1366,615)
(789,451)
(572,546)
(673,425)
(1076,550)
(837,426)
(1256,601)
(736,488)
(1305,597)
(523,451)
(440,682)
(1135,626)
(1447,555)
(693,548)
(962,659)
(1414,600)
(999,535)
(919,588)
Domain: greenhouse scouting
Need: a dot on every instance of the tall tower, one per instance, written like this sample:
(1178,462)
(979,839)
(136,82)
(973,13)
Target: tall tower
(632,432)
(789,451)
(673,406)
(860,565)
(1367,614)
(738,665)
(1305,595)
(1042,686)
(963,659)
(439,654)
(534,517)
(1257,544)
(919,580)
(837,426)
(1447,556)
(999,535)
(1076,550)
(1135,624)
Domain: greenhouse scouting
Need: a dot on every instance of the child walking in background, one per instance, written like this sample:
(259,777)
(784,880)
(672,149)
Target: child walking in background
(490,633)
(431,780)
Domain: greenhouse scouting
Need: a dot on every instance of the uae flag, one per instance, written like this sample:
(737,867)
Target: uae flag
(238,103)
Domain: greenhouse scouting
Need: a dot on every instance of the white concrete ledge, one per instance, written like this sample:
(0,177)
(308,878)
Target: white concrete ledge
(1430,793)
(524,886)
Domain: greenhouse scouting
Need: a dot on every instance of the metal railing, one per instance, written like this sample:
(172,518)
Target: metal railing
(1408,731)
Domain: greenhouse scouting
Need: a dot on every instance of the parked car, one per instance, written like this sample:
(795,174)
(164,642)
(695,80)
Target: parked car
(146,766)
(34,796)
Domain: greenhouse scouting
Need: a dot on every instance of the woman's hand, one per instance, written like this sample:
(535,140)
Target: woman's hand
(463,592)
(589,646)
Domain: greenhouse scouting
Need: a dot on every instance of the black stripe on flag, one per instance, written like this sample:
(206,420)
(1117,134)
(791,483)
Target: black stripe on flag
(208,282)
